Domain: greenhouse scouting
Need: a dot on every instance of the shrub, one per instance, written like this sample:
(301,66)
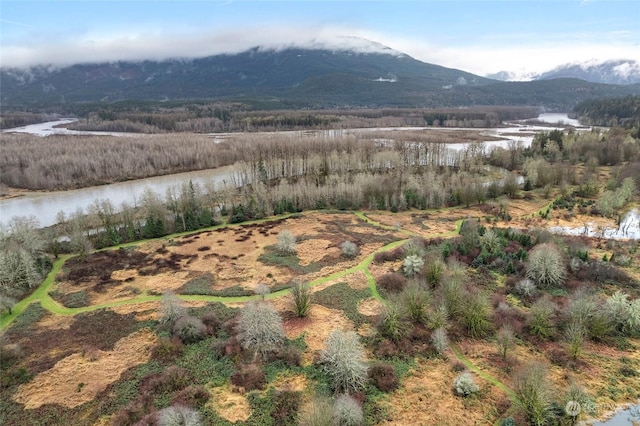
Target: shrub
(7,303)
(383,376)
(434,272)
(318,413)
(574,335)
(388,255)
(577,393)
(476,315)
(491,242)
(505,339)
(290,355)
(178,415)
(172,309)
(545,266)
(212,322)
(347,411)
(171,379)
(349,249)
(413,247)
(534,393)
(260,328)
(438,317)
(415,298)
(262,290)
(192,396)
(131,413)
(412,265)
(343,360)
(540,322)
(440,341)
(190,329)
(392,282)
(464,384)
(301,299)
(458,366)
(452,288)
(285,407)
(249,377)
(286,242)
(509,421)
(393,323)
(525,289)
(167,350)
(624,314)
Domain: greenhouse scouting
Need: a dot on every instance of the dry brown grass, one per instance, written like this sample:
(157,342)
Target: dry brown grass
(426,398)
(230,405)
(79,377)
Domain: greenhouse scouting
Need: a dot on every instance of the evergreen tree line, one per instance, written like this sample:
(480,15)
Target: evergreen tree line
(623,112)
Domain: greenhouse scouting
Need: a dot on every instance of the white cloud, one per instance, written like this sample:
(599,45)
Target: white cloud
(482,58)
(156,46)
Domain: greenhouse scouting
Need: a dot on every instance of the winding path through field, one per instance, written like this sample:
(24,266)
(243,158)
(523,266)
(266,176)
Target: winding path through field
(41,294)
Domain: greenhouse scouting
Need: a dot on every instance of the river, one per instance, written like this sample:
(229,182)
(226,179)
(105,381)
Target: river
(44,206)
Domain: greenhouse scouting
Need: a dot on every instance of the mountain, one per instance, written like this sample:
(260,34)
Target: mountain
(345,76)
(512,76)
(623,71)
(289,78)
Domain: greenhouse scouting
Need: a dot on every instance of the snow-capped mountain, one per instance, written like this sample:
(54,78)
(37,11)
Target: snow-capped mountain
(621,71)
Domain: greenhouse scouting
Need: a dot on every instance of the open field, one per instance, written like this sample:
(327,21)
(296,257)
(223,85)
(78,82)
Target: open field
(90,336)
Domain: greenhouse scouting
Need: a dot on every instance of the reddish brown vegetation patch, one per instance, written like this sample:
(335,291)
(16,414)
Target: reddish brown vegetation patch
(98,268)
(99,330)
(79,377)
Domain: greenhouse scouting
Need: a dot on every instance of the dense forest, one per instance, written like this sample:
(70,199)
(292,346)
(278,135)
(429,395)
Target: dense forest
(202,117)
(624,112)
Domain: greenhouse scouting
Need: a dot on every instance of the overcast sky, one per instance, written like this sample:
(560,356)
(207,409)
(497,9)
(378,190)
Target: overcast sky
(476,36)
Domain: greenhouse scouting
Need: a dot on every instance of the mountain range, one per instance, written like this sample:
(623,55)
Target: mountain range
(622,71)
(291,78)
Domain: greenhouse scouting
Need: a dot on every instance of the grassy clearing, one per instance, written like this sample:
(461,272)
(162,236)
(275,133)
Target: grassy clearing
(343,298)
(273,257)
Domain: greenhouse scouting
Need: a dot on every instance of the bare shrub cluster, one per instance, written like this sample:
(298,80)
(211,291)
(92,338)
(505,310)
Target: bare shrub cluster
(343,360)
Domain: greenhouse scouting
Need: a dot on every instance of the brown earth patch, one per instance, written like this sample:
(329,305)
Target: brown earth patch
(295,383)
(370,307)
(315,250)
(78,378)
(98,330)
(316,327)
(55,322)
(142,311)
(426,398)
(230,405)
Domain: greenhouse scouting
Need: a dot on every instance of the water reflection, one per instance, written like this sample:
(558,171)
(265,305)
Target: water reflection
(629,228)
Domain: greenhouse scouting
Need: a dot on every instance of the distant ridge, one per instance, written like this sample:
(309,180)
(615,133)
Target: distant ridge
(621,71)
(359,74)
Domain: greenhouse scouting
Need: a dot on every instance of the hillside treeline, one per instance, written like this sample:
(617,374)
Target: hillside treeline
(623,112)
(9,120)
(203,118)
